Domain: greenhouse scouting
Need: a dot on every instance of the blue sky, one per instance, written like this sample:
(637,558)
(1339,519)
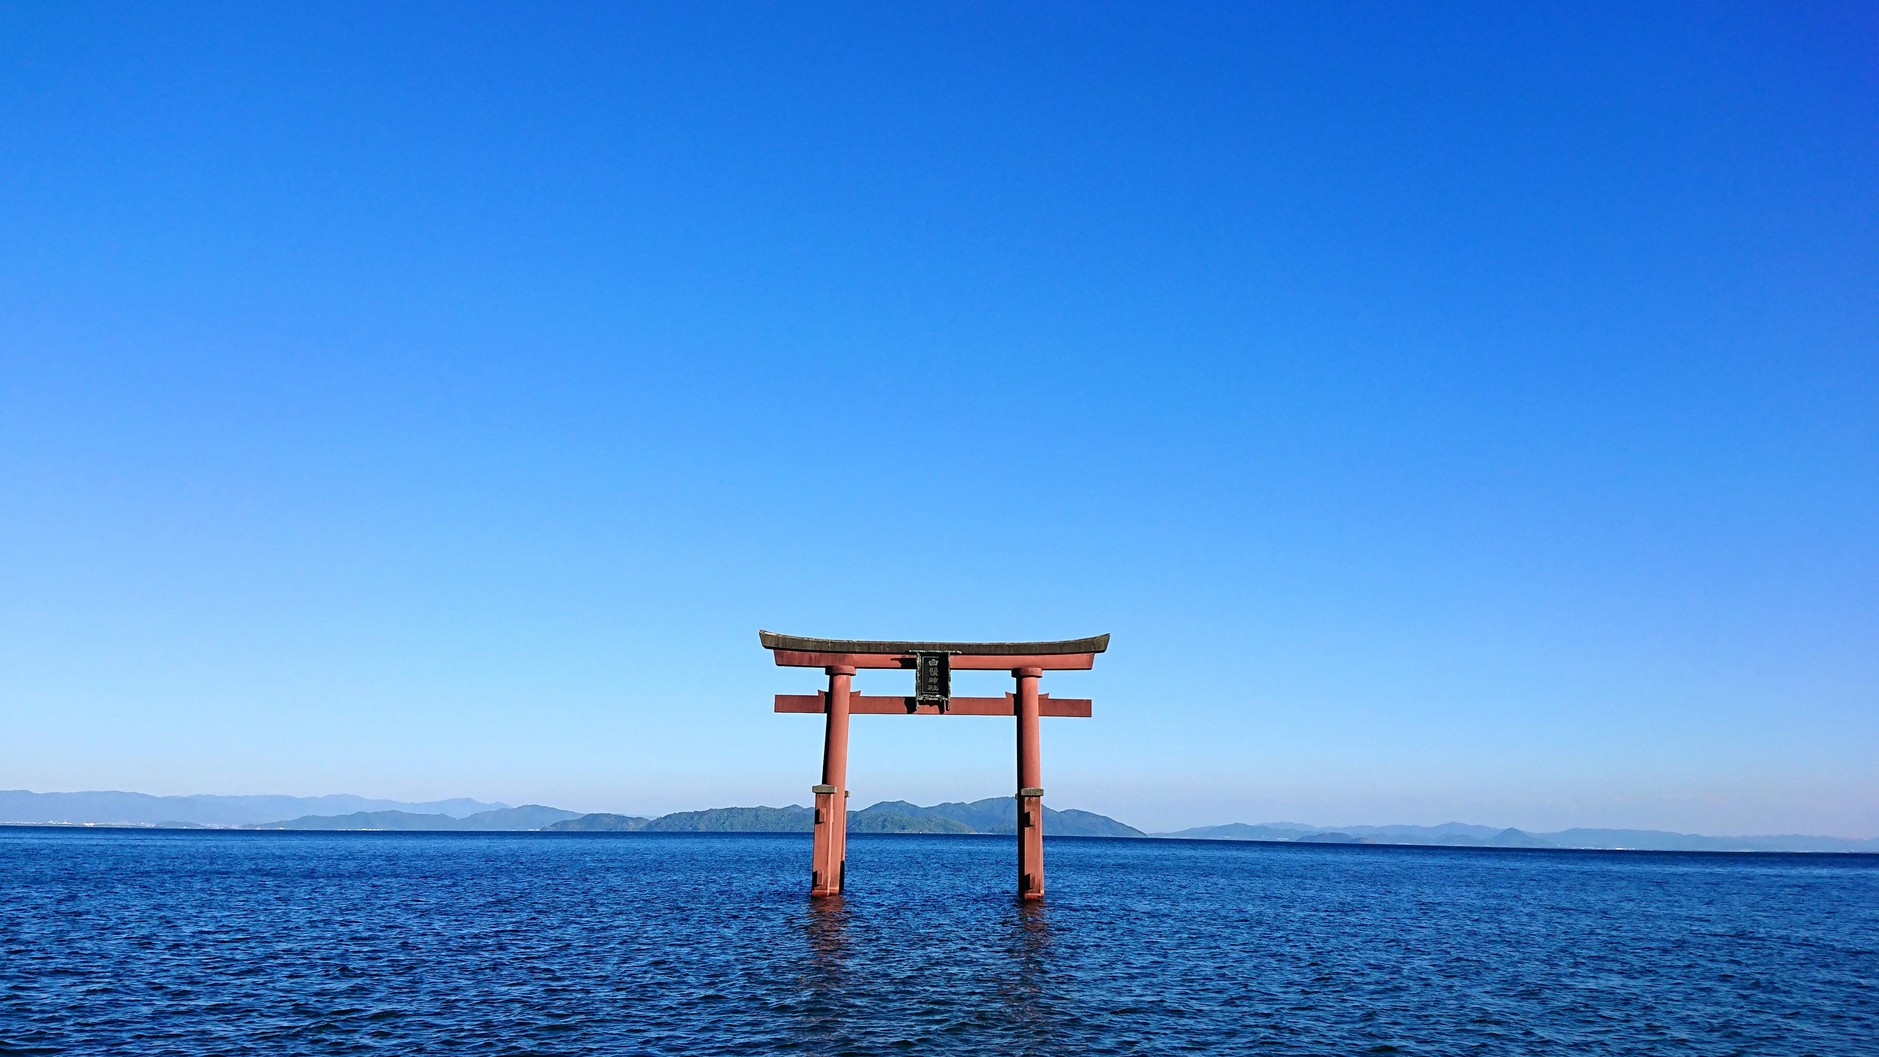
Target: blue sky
(1454,412)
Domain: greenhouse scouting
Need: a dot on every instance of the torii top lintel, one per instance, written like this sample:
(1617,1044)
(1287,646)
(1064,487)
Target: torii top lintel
(795,651)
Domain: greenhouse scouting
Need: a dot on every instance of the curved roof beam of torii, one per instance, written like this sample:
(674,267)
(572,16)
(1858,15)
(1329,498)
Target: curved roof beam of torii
(776,641)
(795,651)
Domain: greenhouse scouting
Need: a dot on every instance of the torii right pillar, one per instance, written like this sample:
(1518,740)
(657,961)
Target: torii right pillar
(1030,788)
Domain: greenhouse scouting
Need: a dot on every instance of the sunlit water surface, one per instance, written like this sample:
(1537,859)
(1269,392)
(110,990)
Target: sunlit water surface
(127,942)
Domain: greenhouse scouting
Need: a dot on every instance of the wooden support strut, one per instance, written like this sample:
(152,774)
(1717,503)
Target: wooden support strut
(877,705)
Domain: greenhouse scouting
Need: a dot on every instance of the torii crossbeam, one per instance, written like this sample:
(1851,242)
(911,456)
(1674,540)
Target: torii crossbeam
(932,664)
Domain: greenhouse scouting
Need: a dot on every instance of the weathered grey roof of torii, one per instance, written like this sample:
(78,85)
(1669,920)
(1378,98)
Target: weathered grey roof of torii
(773,641)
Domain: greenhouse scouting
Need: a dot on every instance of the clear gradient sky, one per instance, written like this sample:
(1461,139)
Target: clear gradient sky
(1465,411)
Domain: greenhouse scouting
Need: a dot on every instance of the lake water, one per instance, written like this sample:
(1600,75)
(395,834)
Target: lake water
(138,942)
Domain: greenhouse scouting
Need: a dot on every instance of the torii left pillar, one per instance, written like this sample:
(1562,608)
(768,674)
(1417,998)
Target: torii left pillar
(829,859)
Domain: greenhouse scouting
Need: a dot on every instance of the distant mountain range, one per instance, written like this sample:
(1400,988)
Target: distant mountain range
(992,815)
(1463,835)
(142,809)
(997,814)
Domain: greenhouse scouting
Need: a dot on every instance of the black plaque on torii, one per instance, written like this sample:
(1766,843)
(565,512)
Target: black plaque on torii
(933,679)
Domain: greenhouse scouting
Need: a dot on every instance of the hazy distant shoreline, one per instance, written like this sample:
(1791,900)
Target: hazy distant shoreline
(992,815)
(1159,838)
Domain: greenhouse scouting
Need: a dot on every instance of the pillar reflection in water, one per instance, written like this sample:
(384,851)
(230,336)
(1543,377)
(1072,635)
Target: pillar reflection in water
(1029,1001)
(827,991)
(825,927)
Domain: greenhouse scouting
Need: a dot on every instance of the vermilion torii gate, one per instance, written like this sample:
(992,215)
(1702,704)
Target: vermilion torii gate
(932,664)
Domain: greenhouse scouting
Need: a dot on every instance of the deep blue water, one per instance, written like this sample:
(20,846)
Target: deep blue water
(129,942)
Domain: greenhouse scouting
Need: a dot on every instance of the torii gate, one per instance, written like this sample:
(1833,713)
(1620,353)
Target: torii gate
(932,664)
